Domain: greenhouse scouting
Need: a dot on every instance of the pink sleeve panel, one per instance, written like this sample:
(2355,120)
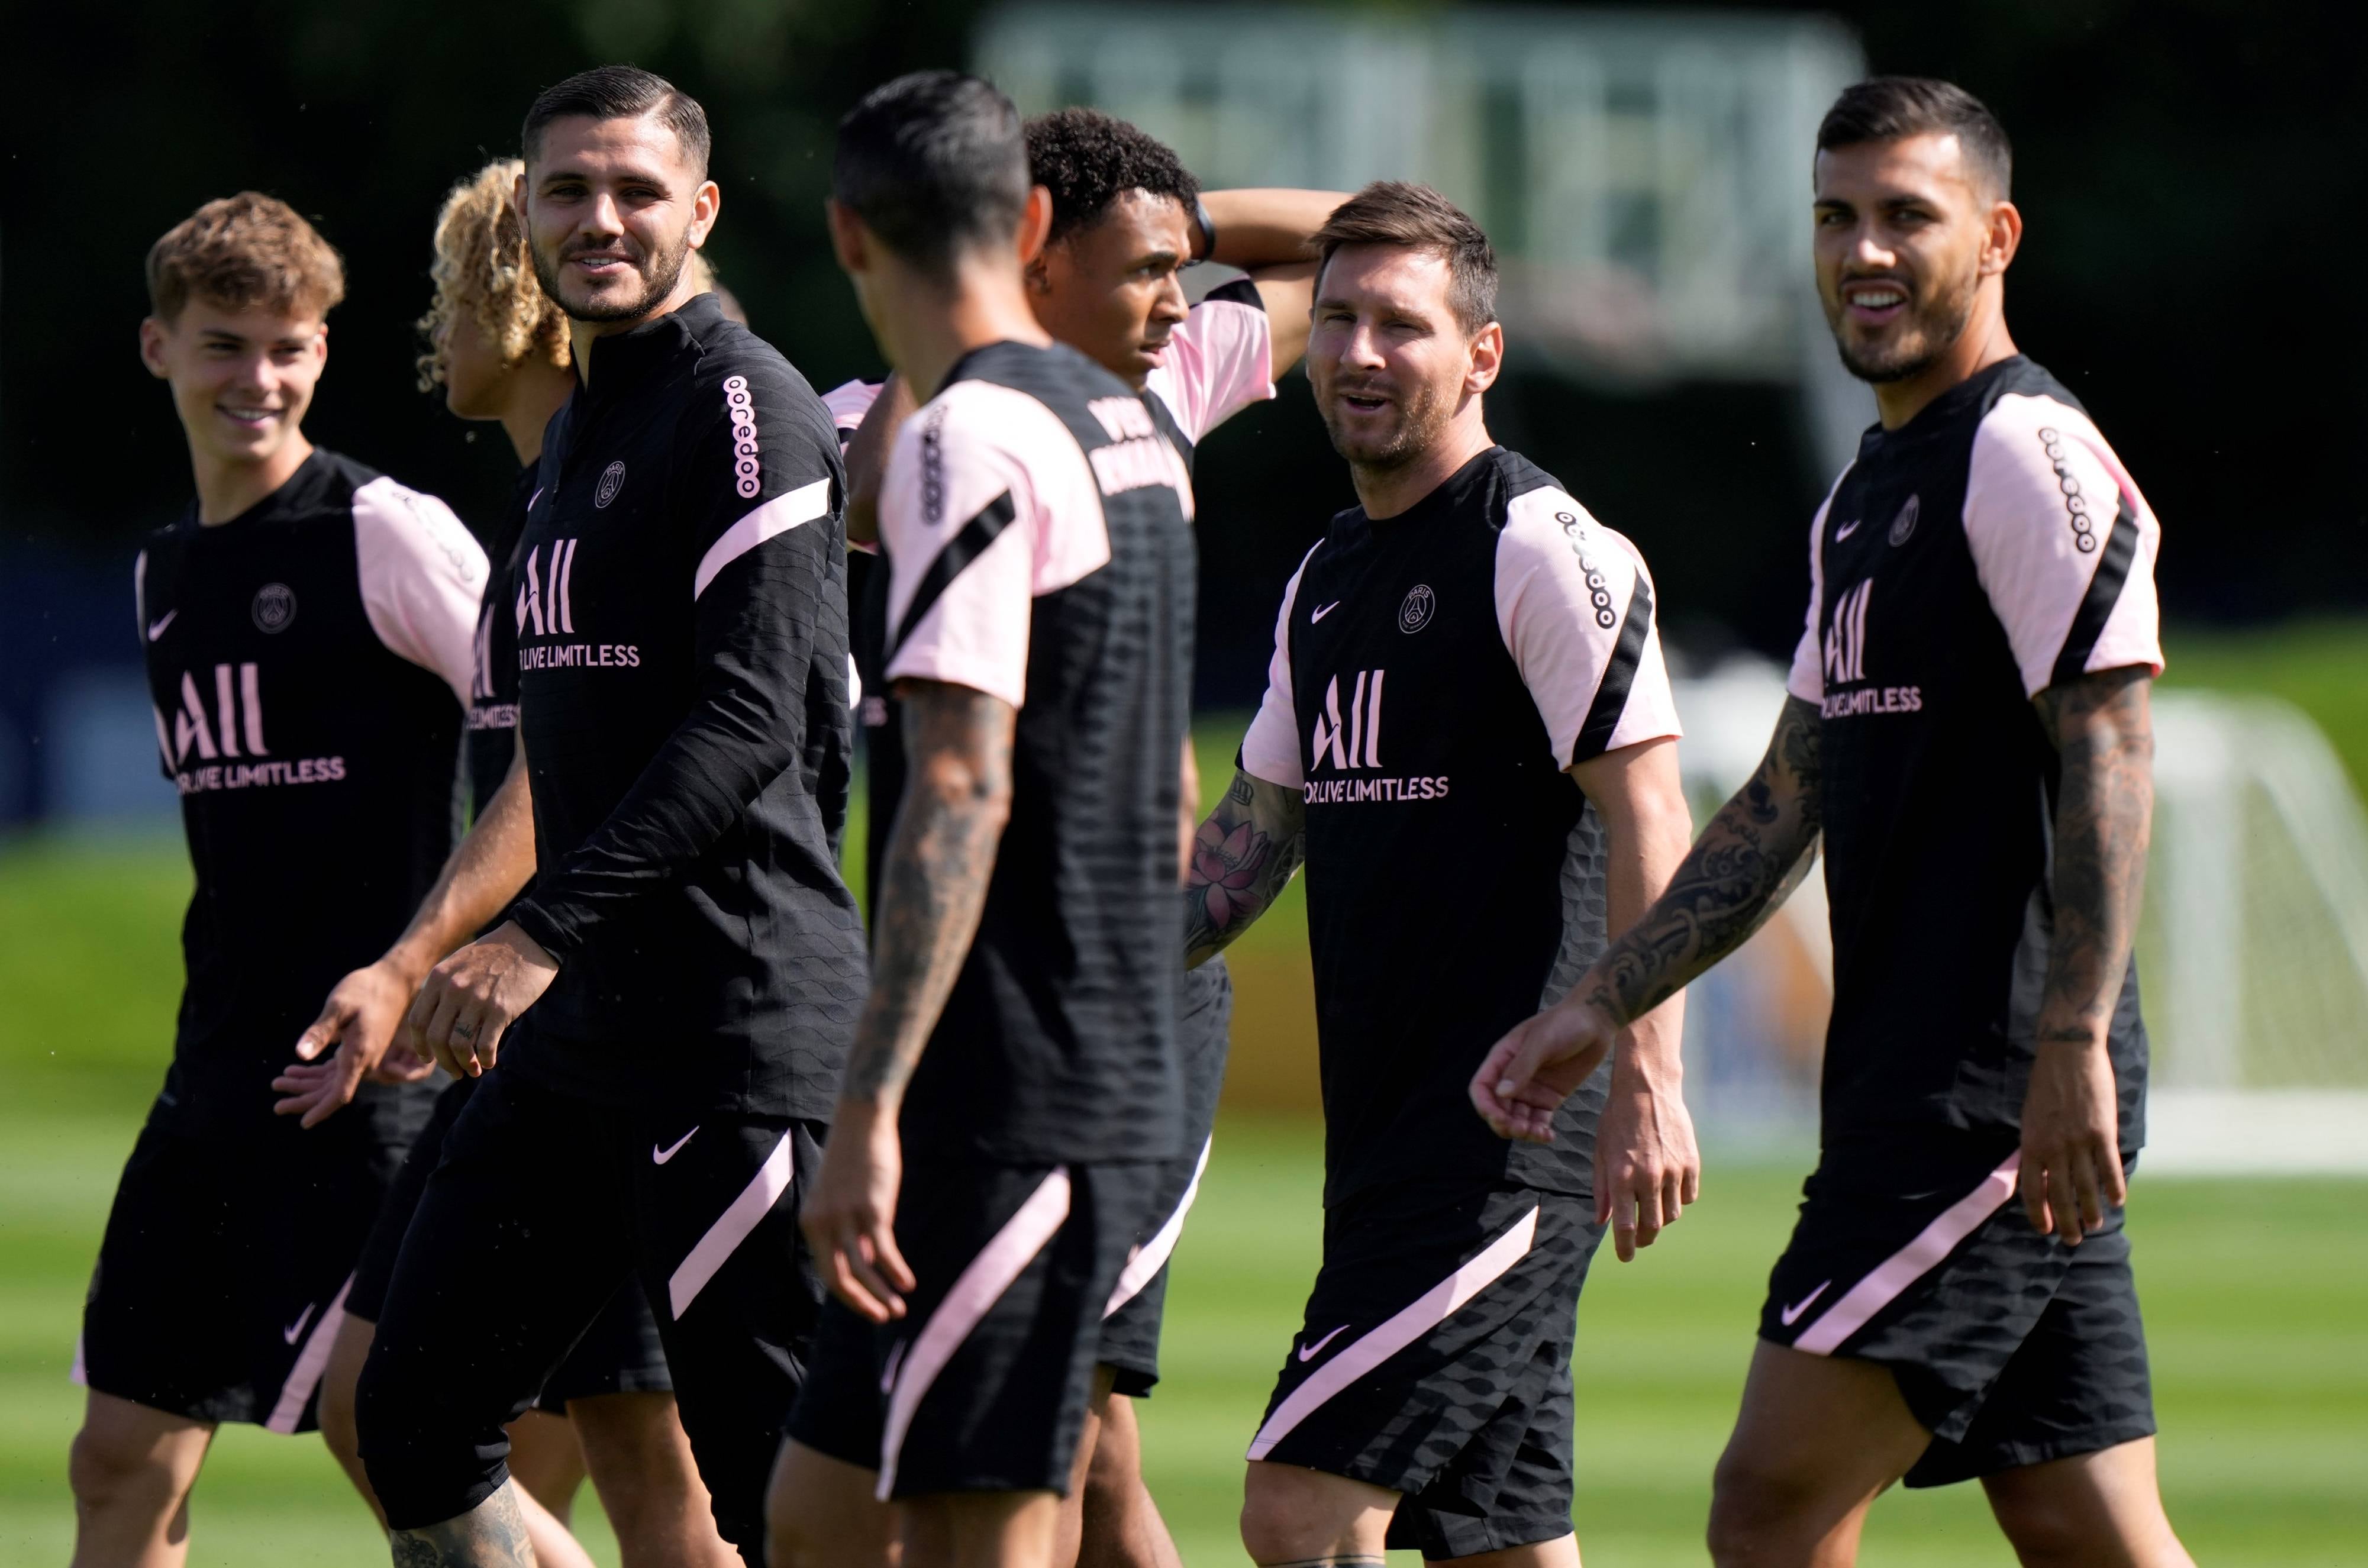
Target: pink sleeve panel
(1575,606)
(1270,749)
(988,502)
(423,575)
(1220,360)
(1807,678)
(2064,543)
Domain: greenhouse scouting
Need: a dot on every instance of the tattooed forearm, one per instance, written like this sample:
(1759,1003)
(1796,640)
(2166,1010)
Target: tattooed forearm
(933,879)
(1749,858)
(2103,731)
(491,1535)
(1242,858)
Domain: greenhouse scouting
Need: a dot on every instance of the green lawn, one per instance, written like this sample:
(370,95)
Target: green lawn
(2257,1291)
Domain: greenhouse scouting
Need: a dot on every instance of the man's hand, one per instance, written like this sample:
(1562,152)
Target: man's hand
(1533,1069)
(2071,1140)
(473,996)
(359,1019)
(1646,1167)
(849,1212)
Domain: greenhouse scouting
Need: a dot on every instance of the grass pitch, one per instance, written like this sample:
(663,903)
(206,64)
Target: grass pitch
(2257,1297)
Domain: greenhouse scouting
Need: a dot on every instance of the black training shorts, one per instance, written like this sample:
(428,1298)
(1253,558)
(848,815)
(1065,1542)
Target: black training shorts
(1435,1362)
(982,1385)
(2012,1347)
(620,1353)
(223,1272)
(1131,1331)
(542,1208)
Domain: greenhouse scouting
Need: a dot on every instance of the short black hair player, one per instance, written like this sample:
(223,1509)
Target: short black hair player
(1128,218)
(1967,725)
(1012,1099)
(1468,737)
(690,956)
(306,628)
(498,351)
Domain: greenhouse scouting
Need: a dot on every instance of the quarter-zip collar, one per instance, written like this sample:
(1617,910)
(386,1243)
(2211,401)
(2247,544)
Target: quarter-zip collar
(622,362)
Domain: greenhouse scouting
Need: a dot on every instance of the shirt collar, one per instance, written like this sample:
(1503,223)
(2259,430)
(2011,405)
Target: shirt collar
(624,359)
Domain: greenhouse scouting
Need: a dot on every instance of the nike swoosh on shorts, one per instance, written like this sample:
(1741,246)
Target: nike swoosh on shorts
(660,1157)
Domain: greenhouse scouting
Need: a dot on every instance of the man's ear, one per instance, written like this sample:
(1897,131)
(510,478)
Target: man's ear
(2005,237)
(152,347)
(848,241)
(1035,224)
(1487,359)
(517,197)
(706,204)
(1038,272)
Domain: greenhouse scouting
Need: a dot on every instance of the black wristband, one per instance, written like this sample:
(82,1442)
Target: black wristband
(1205,228)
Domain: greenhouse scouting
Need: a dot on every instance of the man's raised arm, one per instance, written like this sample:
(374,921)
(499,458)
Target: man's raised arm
(1266,232)
(1748,861)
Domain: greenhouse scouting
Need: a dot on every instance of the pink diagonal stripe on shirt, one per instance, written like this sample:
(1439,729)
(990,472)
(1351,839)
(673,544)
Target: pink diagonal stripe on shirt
(1851,1312)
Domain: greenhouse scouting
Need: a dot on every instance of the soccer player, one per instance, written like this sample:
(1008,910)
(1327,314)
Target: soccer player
(1967,727)
(499,349)
(1468,718)
(692,959)
(306,627)
(980,1196)
(1127,218)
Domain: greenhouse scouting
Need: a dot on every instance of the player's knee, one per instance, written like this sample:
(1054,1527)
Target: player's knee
(2045,1532)
(107,1471)
(1753,1506)
(1276,1529)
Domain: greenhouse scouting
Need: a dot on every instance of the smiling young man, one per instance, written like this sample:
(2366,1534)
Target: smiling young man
(1011,1102)
(691,955)
(306,628)
(1969,729)
(1467,697)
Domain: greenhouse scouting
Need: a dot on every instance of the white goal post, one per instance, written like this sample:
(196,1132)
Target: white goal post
(2252,954)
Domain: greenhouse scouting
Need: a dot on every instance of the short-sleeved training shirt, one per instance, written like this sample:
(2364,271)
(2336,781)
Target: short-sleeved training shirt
(1434,674)
(307,660)
(1990,548)
(1033,520)
(681,615)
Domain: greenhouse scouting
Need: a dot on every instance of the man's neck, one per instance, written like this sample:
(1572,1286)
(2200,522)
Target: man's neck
(1983,344)
(538,391)
(582,335)
(939,323)
(226,490)
(1386,492)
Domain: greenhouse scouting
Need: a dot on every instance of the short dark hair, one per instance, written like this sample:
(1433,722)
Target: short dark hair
(1886,109)
(1395,212)
(934,163)
(622,92)
(1088,159)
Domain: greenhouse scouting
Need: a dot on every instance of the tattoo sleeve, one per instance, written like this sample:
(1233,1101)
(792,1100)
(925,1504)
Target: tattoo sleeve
(1747,862)
(1243,856)
(491,1535)
(933,879)
(2103,732)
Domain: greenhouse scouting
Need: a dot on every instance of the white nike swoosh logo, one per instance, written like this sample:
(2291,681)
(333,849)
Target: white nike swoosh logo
(1847,530)
(290,1335)
(660,1157)
(1309,1352)
(1320,614)
(157,627)
(1791,1313)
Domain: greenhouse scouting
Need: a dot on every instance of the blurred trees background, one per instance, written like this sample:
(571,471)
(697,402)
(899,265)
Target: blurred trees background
(2190,171)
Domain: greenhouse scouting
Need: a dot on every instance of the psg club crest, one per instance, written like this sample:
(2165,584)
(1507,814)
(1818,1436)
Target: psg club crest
(612,479)
(1905,524)
(1415,614)
(275,607)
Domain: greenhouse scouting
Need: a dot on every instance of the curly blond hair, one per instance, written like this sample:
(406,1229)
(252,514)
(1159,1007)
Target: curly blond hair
(482,267)
(241,252)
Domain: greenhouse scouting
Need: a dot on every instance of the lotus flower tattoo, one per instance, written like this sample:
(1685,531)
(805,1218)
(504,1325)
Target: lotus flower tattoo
(1229,863)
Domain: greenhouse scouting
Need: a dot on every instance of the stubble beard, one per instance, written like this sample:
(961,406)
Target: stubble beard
(1420,421)
(659,276)
(1932,330)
